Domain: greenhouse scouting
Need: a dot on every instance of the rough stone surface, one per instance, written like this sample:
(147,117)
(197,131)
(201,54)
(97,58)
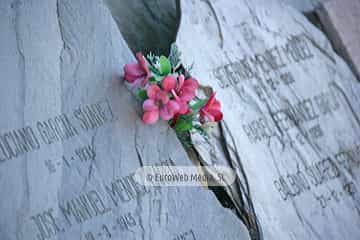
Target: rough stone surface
(341,21)
(147,25)
(305,5)
(291,117)
(71,137)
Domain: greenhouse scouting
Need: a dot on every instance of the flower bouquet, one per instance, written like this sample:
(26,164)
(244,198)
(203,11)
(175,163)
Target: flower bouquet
(168,92)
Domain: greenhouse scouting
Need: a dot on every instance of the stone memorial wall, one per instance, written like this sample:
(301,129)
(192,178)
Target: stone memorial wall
(291,124)
(71,137)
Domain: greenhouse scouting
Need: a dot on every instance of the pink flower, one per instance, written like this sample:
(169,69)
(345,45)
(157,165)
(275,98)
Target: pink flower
(211,111)
(184,92)
(137,73)
(159,104)
(168,83)
(186,89)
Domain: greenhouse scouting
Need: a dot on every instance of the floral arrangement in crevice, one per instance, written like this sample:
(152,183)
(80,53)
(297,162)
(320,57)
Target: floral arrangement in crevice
(168,92)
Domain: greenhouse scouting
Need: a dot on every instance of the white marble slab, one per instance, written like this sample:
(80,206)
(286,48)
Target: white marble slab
(291,116)
(71,136)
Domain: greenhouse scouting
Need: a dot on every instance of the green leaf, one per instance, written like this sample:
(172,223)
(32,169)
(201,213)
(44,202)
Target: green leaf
(188,70)
(141,95)
(202,132)
(152,79)
(174,56)
(185,139)
(153,69)
(165,66)
(158,78)
(155,79)
(183,125)
(188,117)
(199,104)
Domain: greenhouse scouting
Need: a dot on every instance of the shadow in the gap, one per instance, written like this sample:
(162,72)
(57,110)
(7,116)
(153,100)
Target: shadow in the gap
(147,25)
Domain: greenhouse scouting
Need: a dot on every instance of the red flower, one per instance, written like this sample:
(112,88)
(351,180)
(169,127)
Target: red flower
(137,73)
(211,111)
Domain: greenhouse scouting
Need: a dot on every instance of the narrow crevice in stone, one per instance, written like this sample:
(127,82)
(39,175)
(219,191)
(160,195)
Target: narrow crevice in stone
(148,32)
(314,18)
(244,209)
(248,218)
(147,26)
